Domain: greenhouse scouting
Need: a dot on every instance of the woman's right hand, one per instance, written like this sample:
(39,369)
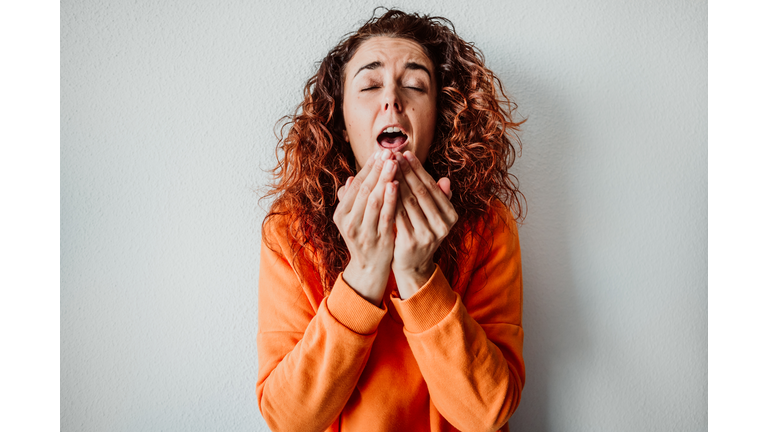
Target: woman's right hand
(365,217)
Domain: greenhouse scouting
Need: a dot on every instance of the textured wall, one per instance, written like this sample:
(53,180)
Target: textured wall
(167,112)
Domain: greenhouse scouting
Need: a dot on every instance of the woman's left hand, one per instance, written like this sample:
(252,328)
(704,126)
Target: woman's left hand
(424,218)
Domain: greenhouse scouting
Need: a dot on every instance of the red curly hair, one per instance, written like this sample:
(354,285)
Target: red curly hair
(473,145)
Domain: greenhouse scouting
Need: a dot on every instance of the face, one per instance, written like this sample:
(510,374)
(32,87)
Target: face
(390,98)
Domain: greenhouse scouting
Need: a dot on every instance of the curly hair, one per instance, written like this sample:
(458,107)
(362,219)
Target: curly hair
(473,145)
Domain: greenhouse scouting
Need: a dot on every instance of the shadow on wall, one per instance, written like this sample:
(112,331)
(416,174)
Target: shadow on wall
(556,333)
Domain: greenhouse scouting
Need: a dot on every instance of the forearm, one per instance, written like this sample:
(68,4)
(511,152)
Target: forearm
(311,351)
(308,387)
(474,376)
(368,282)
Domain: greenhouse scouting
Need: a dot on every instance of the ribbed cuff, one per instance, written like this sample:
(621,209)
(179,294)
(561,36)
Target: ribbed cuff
(352,310)
(430,305)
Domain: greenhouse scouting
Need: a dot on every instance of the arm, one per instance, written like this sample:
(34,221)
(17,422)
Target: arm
(310,358)
(365,219)
(477,342)
(470,353)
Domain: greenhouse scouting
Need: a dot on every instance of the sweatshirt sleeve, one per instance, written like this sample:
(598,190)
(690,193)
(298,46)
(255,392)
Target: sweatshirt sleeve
(470,349)
(310,358)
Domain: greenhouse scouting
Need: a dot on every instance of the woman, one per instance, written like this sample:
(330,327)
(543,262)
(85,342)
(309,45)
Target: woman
(388,300)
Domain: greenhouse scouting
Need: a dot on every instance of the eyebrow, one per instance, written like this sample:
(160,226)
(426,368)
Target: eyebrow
(417,66)
(408,66)
(369,66)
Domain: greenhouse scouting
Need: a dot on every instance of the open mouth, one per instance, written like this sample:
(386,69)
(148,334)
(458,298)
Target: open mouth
(392,138)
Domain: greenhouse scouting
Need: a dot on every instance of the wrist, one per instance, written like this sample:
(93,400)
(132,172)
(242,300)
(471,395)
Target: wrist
(369,282)
(410,280)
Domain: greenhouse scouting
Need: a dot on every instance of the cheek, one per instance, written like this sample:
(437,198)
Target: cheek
(354,114)
(361,155)
(428,118)
(431,120)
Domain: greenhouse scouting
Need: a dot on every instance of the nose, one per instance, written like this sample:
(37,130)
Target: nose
(391,100)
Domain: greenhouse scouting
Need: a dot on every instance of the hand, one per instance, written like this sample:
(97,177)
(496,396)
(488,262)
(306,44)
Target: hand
(365,217)
(424,218)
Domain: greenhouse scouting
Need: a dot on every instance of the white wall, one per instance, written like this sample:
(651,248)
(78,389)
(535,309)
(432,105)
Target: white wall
(167,110)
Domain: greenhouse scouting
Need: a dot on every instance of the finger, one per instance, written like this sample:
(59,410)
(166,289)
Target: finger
(416,197)
(437,215)
(350,191)
(438,195)
(343,189)
(363,174)
(375,200)
(364,190)
(445,185)
(402,222)
(387,216)
(410,205)
(382,155)
(386,154)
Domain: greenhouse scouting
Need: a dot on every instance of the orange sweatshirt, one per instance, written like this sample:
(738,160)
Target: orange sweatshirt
(448,358)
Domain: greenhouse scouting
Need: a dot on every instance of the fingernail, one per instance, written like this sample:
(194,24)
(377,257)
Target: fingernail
(408,155)
(391,188)
(389,165)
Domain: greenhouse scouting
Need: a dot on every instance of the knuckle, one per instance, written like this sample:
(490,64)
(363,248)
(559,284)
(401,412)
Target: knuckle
(426,239)
(453,217)
(364,189)
(442,231)
(431,238)
(370,239)
(364,239)
(413,201)
(421,191)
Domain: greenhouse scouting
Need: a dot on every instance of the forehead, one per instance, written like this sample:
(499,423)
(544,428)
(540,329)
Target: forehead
(390,52)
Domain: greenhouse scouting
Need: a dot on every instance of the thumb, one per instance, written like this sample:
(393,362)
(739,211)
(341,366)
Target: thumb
(445,185)
(343,189)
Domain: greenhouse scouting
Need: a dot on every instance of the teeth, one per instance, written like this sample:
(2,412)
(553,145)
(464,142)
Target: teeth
(392,129)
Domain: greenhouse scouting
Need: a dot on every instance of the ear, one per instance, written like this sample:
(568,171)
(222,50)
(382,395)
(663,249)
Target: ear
(346,137)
